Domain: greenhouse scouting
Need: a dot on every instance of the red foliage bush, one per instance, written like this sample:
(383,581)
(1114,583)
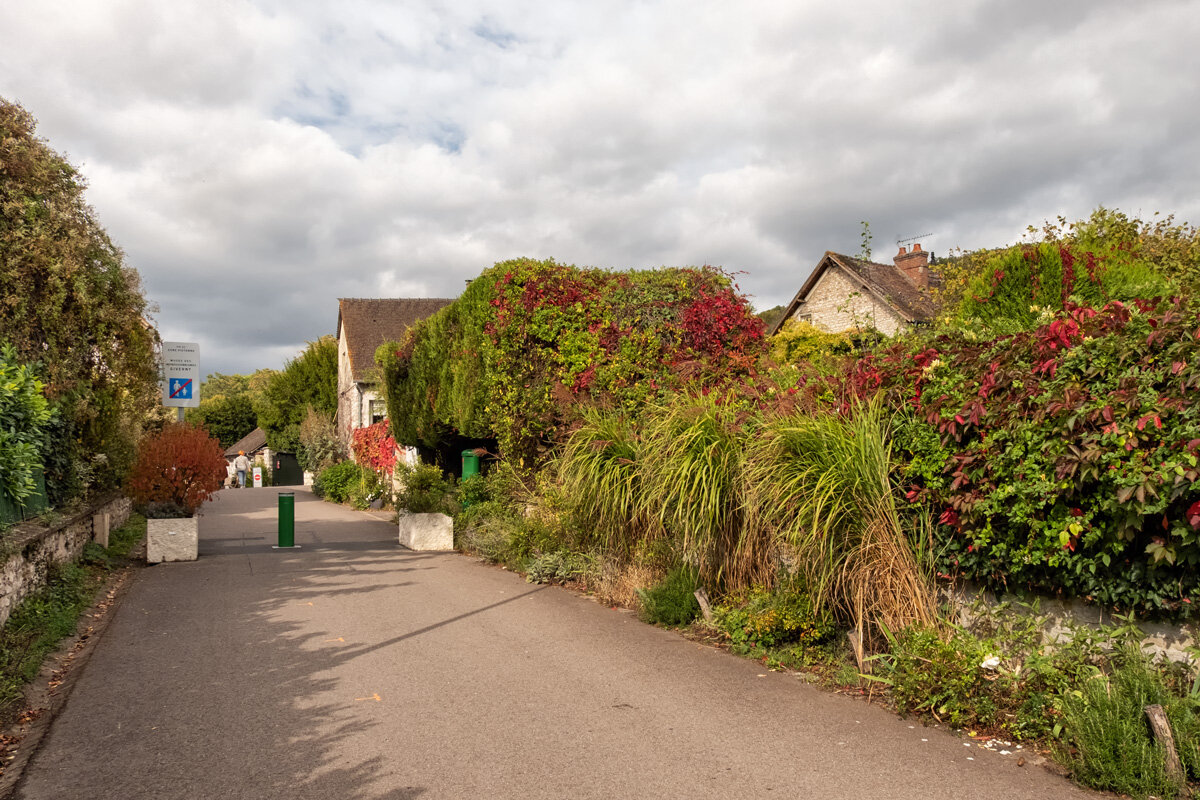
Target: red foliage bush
(181,465)
(374,447)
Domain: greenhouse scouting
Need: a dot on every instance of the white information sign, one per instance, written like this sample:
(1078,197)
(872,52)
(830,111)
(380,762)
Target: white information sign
(258,477)
(181,374)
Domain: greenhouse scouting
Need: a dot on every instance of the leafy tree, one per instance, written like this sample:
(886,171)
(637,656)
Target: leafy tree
(227,417)
(69,304)
(310,379)
(770,316)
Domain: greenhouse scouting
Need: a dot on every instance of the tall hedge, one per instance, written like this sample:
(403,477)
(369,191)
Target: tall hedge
(530,342)
(73,310)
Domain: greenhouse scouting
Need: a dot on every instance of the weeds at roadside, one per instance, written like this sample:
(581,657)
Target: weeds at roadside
(45,618)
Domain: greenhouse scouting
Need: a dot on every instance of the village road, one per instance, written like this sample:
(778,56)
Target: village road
(352,668)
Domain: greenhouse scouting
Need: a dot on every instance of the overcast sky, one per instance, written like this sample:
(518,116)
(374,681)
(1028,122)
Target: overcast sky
(258,160)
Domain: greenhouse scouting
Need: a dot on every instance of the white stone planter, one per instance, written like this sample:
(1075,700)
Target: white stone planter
(426,531)
(172,539)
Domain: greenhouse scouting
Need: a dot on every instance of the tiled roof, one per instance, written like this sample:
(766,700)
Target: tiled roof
(369,322)
(254,440)
(887,281)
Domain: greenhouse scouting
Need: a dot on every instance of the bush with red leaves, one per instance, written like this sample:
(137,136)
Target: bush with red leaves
(181,465)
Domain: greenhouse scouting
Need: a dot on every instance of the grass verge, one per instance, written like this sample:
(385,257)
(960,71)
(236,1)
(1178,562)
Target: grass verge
(45,618)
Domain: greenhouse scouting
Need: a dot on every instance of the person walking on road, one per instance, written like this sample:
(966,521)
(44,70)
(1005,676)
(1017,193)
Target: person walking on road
(242,465)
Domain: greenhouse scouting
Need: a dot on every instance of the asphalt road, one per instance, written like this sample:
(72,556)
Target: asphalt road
(352,668)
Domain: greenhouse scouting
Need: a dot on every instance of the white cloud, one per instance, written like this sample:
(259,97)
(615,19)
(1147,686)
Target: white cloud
(258,160)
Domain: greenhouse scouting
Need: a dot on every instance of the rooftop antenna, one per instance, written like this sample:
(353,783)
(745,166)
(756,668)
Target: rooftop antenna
(916,238)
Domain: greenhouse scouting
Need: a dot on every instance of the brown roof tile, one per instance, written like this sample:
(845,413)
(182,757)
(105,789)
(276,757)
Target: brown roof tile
(252,441)
(369,322)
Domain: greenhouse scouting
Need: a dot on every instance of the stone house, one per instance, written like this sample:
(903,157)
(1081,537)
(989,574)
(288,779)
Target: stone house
(364,324)
(845,293)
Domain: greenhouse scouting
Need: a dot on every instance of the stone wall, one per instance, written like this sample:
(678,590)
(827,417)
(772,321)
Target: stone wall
(837,303)
(31,549)
(1170,640)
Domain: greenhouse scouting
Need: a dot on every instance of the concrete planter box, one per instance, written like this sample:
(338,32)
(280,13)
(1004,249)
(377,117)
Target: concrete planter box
(172,539)
(426,531)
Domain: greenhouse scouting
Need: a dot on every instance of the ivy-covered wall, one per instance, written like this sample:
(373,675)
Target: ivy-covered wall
(530,342)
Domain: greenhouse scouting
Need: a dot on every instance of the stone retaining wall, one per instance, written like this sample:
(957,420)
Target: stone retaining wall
(1170,640)
(31,549)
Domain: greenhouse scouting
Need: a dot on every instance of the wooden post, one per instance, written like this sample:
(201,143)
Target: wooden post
(705,608)
(1160,726)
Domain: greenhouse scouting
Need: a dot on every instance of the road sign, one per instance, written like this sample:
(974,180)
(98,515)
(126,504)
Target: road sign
(258,479)
(181,374)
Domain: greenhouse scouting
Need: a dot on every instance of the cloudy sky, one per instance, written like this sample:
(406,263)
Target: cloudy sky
(258,160)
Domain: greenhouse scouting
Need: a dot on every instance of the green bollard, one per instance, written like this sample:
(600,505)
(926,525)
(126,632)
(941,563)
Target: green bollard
(287,521)
(470,464)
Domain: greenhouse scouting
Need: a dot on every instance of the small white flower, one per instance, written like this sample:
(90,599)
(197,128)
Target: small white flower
(991,662)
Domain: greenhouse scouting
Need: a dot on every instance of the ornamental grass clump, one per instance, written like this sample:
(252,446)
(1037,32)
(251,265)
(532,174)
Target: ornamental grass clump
(692,490)
(822,484)
(600,472)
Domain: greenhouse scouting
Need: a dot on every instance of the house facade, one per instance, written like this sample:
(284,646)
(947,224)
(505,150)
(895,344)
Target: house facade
(845,293)
(364,324)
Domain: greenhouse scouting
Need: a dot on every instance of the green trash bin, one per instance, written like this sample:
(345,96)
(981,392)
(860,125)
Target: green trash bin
(470,464)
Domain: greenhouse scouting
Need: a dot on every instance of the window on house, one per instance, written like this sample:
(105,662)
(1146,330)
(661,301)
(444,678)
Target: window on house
(805,318)
(378,411)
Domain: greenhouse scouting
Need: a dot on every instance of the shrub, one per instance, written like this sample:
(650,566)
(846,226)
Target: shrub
(181,465)
(337,481)
(672,602)
(473,490)
(24,416)
(1106,723)
(761,619)
(320,446)
(425,490)
(560,566)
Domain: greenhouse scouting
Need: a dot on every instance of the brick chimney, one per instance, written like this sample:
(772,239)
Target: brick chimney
(915,264)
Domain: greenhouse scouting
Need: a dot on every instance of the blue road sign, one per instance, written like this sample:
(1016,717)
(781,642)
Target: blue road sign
(181,388)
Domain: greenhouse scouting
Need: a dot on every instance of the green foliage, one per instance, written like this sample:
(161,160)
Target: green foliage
(530,342)
(69,303)
(802,341)
(43,619)
(822,483)
(691,486)
(759,619)
(673,601)
(1105,721)
(24,415)
(425,489)
(600,471)
(560,566)
(770,316)
(473,490)
(320,446)
(1015,286)
(310,379)
(227,417)
(335,482)
(1065,459)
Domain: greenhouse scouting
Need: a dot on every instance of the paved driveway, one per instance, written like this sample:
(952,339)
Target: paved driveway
(352,668)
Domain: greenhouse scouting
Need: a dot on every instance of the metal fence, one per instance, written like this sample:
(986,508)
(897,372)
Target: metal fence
(11,511)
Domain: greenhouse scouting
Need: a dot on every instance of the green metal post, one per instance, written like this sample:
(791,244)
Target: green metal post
(470,464)
(287,519)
